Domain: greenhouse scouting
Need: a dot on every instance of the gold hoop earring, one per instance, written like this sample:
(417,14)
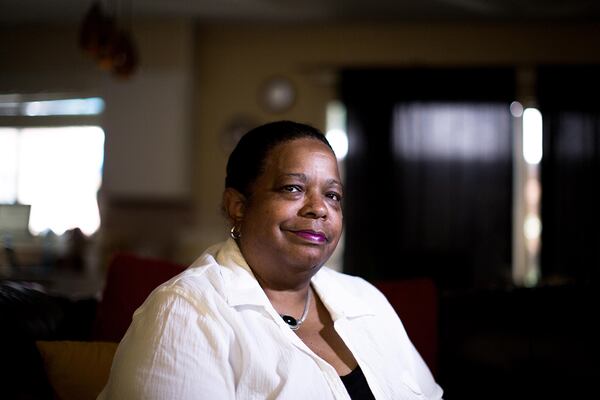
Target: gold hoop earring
(235,232)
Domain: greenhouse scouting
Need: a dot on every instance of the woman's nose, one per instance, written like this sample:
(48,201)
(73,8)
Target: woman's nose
(314,206)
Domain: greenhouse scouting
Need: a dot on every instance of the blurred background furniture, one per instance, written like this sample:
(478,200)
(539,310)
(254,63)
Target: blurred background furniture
(416,302)
(43,332)
(130,279)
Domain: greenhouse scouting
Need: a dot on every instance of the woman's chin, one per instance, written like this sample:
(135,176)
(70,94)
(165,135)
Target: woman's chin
(309,261)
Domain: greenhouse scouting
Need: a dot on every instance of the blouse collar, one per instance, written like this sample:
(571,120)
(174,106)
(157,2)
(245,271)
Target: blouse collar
(241,287)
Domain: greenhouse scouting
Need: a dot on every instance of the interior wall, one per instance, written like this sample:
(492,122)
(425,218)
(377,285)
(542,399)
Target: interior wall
(233,61)
(44,59)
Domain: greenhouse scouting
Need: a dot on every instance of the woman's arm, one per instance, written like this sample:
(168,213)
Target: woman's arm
(174,349)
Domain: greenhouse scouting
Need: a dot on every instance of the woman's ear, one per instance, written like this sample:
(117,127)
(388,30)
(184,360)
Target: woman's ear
(234,204)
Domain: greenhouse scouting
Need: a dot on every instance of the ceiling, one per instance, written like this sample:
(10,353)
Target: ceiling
(292,11)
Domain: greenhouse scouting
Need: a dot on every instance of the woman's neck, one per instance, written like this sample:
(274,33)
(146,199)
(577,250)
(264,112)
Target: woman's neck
(285,297)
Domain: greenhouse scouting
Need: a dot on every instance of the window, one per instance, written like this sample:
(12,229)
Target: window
(449,182)
(55,169)
(430,175)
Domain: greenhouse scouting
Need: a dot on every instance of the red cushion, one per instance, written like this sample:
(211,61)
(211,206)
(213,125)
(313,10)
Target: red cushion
(129,280)
(416,302)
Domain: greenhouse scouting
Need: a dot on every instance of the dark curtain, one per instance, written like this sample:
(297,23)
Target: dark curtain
(570,105)
(429,174)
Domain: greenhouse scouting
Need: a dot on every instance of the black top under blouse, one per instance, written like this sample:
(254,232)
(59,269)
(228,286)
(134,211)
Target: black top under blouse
(357,386)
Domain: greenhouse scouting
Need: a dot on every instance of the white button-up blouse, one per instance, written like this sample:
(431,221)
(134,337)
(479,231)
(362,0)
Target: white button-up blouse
(211,333)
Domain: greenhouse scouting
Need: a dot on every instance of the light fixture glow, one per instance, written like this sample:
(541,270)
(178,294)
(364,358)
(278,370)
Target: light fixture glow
(339,141)
(516,109)
(336,128)
(532,136)
(532,227)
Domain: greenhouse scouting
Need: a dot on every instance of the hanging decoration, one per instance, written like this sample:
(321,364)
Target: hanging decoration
(108,40)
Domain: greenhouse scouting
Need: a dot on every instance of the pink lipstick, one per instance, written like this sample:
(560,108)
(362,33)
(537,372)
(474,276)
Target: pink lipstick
(312,236)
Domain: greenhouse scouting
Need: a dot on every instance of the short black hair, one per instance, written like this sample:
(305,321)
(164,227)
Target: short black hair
(247,160)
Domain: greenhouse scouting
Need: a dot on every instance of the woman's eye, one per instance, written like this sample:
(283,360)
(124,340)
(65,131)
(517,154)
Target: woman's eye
(292,188)
(334,196)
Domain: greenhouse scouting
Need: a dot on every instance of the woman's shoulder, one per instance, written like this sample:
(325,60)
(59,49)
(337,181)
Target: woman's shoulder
(188,290)
(198,285)
(207,281)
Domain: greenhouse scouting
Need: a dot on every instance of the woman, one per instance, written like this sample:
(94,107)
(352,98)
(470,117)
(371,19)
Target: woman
(258,316)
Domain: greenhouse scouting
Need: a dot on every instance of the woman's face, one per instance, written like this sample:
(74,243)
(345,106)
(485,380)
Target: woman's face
(293,220)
